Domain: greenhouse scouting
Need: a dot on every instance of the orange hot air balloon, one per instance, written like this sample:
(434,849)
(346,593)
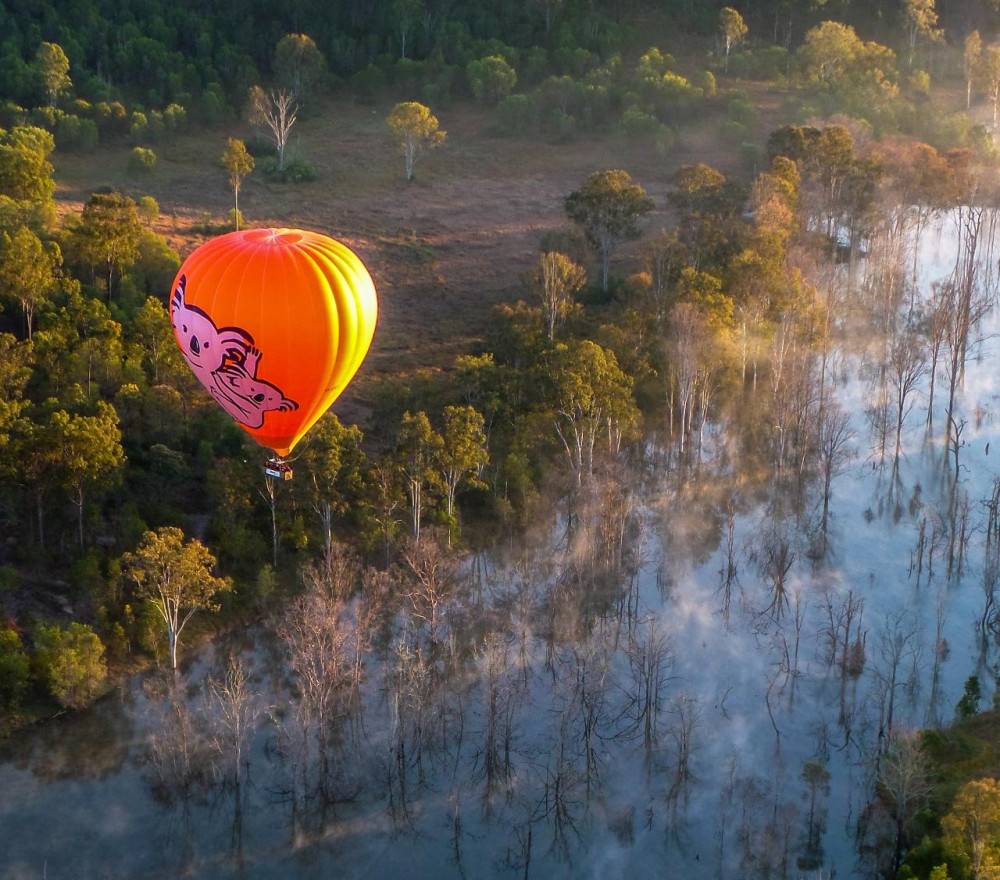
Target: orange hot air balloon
(274,323)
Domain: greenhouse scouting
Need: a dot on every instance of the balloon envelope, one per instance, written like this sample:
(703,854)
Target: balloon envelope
(274,323)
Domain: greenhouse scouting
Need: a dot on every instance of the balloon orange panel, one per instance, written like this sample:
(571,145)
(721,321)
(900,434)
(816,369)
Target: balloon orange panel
(274,323)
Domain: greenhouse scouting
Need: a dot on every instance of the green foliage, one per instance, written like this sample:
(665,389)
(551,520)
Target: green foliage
(148,209)
(14,669)
(491,79)
(636,123)
(968,705)
(71,663)
(141,162)
(733,132)
(516,113)
(607,208)
(75,133)
(296,170)
(769,63)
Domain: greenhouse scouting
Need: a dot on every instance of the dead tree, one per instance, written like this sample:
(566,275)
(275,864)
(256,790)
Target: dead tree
(835,453)
(906,362)
(904,785)
(429,578)
(649,659)
(775,557)
(897,647)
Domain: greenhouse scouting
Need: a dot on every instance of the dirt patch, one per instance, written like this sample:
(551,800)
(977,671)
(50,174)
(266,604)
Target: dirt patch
(443,248)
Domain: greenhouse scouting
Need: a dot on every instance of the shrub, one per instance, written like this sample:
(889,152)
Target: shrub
(750,156)
(74,133)
(665,140)
(368,84)
(141,162)
(733,132)
(14,669)
(175,118)
(741,110)
(637,123)
(148,209)
(71,662)
(768,63)
(138,126)
(562,126)
(296,170)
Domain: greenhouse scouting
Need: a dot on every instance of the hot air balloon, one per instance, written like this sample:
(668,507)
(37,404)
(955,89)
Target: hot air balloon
(274,323)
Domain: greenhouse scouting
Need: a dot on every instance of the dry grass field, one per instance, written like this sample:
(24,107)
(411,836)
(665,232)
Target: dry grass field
(443,248)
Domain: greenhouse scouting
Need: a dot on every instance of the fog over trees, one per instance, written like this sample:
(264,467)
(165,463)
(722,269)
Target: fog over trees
(660,527)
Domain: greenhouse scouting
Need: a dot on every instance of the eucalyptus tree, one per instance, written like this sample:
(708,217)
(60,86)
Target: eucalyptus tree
(556,279)
(238,163)
(52,67)
(971,59)
(176,576)
(276,111)
(591,398)
(608,208)
(733,30)
(414,129)
(28,270)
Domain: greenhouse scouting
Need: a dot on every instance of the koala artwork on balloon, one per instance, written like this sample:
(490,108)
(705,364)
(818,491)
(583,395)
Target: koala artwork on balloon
(225,360)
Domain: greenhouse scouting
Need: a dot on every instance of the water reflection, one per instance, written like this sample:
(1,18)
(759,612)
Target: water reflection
(691,670)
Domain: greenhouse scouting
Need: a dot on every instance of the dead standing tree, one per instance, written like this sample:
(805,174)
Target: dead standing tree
(774,557)
(276,111)
(835,453)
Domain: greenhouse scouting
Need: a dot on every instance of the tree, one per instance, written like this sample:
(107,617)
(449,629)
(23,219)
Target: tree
(405,13)
(72,661)
(109,233)
(52,66)
(276,110)
(592,397)
(556,279)
(733,29)
(141,162)
(990,73)
(491,79)
(239,163)
(829,50)
(25,171)
(919,20)
(89,451)
(152,331)
(817,779)
(904,784)
(414,128)
(973,826)
(176,577)
(462,454)
(608,207)
(14,669)
(431,577)
(333,461)
(971,59)
(419,445)
(28,270)
(549,7)
(298,64)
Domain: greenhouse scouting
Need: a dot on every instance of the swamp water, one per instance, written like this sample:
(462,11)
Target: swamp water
(655,739)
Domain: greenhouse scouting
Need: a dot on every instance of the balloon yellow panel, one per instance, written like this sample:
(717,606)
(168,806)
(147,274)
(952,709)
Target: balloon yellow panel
(274,323)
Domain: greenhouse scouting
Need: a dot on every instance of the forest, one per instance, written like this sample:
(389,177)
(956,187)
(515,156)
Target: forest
(659,532)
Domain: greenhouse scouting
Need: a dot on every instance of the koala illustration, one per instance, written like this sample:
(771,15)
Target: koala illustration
(225,361)
(205,346)
(245,396)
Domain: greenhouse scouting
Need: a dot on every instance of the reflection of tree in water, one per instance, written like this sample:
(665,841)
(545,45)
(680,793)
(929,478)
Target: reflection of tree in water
(92,744)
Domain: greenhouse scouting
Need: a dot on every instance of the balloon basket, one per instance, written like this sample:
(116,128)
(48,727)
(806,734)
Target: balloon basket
(278,469)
